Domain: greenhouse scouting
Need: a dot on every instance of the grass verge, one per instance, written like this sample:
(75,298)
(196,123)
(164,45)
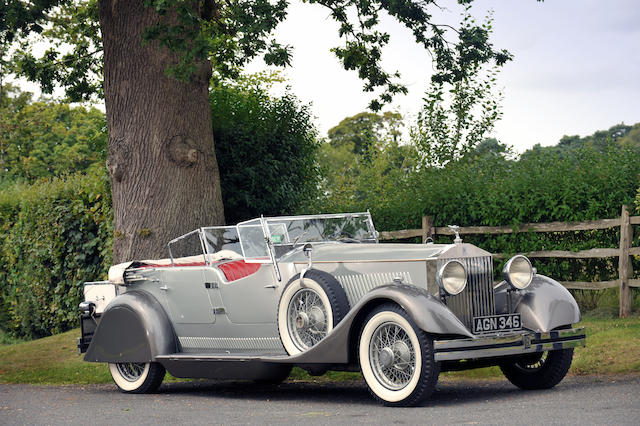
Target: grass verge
(612,348)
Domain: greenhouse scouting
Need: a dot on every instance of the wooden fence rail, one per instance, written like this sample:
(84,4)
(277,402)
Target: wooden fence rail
(625,272)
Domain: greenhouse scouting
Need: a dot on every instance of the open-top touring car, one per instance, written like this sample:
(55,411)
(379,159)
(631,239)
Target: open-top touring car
(252,300)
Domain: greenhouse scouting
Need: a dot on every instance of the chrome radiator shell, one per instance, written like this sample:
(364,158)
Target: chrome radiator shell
(477,299)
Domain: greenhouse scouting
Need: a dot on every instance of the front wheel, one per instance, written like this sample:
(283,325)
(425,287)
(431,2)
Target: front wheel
(540,370)
(396,358)
(137,377)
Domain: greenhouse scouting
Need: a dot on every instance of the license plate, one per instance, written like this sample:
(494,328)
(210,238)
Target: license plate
(497,323)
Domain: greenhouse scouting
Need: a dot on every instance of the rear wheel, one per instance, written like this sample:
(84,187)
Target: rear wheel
(396,358)
(137,377)
(540,370)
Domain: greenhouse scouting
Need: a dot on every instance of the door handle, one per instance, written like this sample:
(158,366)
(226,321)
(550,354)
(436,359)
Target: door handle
(164,287)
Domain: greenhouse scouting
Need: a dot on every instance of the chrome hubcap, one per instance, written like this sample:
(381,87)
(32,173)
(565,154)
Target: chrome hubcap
(392,356)
(386,357)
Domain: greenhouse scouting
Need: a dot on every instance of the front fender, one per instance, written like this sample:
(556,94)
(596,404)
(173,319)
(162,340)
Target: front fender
(427,311)
(133,328)
(544,305)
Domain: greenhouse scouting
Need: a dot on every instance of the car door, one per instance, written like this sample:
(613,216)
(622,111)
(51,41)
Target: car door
(252,299)
(187,295)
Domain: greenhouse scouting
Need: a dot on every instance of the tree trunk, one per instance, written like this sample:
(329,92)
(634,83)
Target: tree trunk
(161,160)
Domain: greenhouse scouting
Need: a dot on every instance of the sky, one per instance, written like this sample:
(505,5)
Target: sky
(576,66)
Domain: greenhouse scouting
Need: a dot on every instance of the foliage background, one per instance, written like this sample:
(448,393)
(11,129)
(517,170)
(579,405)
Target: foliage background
(55,201)
(266,147)
(56,233)
(588,179)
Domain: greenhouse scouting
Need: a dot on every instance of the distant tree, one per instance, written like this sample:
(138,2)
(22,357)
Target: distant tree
(366,130)
(364,152)
(632,138)
(617,136)
(600,139)
(490,147)
(45,139)
(458,114)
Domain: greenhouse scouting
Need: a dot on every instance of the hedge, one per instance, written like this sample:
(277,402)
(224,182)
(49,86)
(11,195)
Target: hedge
(544,185)
(55,235)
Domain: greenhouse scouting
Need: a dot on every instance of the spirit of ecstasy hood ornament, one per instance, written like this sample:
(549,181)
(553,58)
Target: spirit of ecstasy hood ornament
(454,229)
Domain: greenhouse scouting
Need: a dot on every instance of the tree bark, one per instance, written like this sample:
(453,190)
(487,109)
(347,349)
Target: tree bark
(161,160)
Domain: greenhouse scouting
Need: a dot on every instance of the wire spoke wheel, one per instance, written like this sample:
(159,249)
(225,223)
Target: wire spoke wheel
(396,357)
(392,355)
(137,377)
(532,362)
(131,371)
(307,318)
(541,370)
(309,309)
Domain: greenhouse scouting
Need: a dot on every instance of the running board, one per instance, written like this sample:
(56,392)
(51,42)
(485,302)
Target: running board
(225,366)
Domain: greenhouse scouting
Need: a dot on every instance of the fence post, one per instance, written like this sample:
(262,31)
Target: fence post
(624,263)
(427,224)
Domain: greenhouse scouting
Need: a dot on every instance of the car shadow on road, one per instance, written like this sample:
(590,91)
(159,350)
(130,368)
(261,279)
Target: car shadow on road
(352,392)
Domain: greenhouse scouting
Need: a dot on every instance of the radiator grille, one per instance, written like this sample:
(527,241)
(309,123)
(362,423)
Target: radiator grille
(477,299)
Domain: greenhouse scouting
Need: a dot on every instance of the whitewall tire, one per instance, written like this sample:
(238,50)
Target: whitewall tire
(132,377)
(308,311)
(396,358)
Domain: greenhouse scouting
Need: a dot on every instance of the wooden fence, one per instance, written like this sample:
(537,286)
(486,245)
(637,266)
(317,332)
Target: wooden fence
(625,276)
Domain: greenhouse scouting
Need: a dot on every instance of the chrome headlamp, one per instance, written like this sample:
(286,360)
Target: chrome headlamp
(452,277)
(518,272)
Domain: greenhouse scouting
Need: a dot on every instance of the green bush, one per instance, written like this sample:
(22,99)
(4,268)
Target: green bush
(265,148)
(46,139)
(55,235)
(544,185)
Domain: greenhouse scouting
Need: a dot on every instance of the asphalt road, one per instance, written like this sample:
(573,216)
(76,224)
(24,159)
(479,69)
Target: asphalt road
(577,400)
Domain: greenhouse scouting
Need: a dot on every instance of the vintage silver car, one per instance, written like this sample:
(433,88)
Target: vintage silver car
(252,300)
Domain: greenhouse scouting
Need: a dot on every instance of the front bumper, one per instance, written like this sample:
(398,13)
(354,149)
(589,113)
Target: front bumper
(511,344)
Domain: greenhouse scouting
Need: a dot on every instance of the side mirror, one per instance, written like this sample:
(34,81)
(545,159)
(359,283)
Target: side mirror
(308,251)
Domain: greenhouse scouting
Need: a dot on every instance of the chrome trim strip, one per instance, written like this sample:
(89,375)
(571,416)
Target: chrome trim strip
(511,344)
(363,261)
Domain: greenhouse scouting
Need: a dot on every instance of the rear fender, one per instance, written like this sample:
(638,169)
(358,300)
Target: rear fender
(133,328)
(544,305)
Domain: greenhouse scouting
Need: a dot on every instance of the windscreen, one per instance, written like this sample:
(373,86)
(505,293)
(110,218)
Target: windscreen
(218,238)
(289,232)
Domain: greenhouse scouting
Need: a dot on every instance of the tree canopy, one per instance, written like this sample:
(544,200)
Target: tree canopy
(365,130)
(153,62)
(230,34)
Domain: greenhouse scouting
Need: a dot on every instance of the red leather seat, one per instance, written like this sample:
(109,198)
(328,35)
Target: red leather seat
(238,269)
